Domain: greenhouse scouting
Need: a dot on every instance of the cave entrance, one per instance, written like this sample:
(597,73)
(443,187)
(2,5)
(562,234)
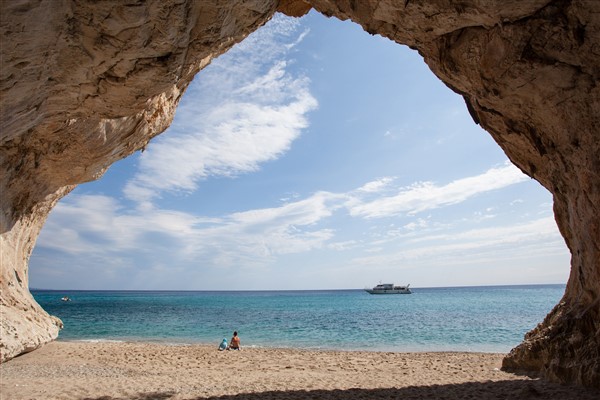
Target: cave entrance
(528,74)
(310,140)
(311,156)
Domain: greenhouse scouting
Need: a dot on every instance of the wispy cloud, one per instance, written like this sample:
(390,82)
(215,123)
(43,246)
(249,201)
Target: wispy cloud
(98,225)
(245,110)
(376,186)
(495,243)
(303,212)
(424,196)
(258,236)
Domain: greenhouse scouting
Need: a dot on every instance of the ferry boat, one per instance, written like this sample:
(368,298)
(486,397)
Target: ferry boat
(389,288)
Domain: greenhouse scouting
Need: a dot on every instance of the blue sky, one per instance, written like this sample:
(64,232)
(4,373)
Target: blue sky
(310,156)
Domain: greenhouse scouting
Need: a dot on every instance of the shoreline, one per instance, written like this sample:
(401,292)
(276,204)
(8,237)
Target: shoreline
(186,342)
(143,370)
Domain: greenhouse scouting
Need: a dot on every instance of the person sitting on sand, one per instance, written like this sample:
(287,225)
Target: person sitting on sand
(234,343)
(223,345)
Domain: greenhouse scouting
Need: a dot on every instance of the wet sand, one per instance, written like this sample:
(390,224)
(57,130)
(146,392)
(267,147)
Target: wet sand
(81,370)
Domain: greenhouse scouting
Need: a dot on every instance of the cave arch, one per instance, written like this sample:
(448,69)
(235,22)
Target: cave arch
(76,97)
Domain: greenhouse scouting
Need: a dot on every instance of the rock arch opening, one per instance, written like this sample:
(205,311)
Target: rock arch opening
(393,158)
(531,86)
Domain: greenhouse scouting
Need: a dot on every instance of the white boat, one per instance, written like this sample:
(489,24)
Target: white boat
(389,288)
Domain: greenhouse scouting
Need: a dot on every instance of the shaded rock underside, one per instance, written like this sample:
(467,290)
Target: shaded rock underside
(86,84)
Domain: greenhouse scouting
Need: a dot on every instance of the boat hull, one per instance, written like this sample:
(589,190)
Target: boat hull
(389,291)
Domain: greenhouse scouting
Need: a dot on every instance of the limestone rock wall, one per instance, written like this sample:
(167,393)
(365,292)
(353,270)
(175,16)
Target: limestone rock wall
(529,74)
(85,84)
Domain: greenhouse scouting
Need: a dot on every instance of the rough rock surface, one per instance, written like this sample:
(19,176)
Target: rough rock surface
(85,84)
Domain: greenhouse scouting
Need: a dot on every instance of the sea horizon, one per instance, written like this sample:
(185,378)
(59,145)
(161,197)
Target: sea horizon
(475,319)
(293,290)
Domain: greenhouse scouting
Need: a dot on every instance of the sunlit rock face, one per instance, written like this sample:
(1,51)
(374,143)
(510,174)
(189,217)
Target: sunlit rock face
(85,85)
(529,73)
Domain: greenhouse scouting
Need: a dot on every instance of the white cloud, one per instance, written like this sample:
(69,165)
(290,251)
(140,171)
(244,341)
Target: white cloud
(256,236)
(302,212)
(424,196)
(289,197)
(473,246)
(299,40)
(376,185)
(97,230)
(96,225)
(342,246)
(418,224)
(245,109)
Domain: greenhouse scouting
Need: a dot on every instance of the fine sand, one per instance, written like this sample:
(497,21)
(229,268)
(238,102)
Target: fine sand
(78,370)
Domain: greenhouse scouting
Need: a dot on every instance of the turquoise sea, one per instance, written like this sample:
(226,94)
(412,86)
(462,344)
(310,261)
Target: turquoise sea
(486,319)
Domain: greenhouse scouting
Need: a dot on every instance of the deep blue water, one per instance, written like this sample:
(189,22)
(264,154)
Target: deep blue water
(488,319)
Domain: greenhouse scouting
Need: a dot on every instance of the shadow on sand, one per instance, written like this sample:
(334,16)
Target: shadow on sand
(512,390)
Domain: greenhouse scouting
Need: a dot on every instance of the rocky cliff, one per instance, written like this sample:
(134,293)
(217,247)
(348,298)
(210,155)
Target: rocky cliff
(84,84)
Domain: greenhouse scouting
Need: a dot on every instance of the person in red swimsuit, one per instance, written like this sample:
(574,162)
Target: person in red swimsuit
(234,343)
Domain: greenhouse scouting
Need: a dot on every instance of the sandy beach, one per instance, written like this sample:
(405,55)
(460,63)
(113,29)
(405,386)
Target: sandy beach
(81,370)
